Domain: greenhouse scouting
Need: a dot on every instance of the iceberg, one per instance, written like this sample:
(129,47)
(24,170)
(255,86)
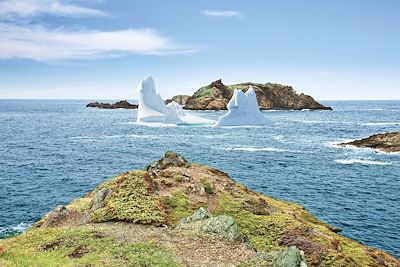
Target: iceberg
(242,110)
(153,111)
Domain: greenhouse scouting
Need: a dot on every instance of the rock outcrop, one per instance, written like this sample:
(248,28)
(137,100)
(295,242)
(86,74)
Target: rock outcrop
(269,95)
(180,99)
(120,104)
(386,142)
(177,213)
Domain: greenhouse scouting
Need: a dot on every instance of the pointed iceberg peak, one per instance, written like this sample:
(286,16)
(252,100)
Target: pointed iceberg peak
(153,111)
(242,110)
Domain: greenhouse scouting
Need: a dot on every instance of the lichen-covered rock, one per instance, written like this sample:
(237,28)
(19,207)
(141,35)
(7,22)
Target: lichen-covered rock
(223,226)
(291,257)
(97,202)
(199,215)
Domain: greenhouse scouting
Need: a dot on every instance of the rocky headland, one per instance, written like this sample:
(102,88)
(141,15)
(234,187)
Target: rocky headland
(177,213)
(386,142)
(216,96)
(120,104)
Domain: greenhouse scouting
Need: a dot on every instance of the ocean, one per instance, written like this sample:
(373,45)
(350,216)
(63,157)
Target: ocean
(53,151)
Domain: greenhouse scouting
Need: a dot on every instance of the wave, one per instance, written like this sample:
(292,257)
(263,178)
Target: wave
(255,149)
(97,138)
(362,162)
(14,229)
(380,123)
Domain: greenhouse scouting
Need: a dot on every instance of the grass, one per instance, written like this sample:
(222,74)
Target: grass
(48,247)
(207,187)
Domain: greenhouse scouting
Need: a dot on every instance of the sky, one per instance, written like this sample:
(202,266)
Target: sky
(101,49)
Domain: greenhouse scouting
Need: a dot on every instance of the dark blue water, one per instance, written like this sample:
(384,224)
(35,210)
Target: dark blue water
(55,151)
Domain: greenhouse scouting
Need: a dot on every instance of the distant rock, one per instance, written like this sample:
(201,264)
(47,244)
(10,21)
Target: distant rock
(180,99)
(216,95)
(386,142)
(120,104)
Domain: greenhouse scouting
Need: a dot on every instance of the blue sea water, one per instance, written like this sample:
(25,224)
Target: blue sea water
(55,151)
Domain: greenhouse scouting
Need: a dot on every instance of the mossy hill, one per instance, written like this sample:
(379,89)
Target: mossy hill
(216,95)
(176,213)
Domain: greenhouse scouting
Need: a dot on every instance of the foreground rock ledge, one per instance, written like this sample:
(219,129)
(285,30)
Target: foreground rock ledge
(177,213)
(386,142)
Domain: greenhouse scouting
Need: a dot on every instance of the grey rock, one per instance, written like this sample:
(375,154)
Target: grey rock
(55,216)
(99,198)
(291,257)
(98,202)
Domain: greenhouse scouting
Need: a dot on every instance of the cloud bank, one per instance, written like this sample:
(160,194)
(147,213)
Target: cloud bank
(32,8)
(222,13)
(41,44)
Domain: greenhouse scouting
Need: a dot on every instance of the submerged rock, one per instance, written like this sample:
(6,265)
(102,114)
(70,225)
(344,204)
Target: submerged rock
(386,142)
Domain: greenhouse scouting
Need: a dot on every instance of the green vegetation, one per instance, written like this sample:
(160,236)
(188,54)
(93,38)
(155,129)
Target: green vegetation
(132,200)
(204,92)
(176,206)
(48,247)
(207,187)
(178,178)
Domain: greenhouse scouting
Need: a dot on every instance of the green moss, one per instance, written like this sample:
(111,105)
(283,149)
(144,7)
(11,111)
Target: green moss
(177,207)
(178,178)
(264,231)
(207,187)
(80,204)
(56,247)
(131,201)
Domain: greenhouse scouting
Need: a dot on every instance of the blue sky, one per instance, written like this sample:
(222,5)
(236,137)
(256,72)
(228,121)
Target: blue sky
(98,49)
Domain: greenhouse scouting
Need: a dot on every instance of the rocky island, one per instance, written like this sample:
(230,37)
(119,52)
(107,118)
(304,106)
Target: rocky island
(177,213)
(386,142)
(120,104)
(216,95)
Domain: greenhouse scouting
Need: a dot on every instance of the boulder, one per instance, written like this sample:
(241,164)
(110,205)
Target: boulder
(170,159)
(291,257)
(54,217)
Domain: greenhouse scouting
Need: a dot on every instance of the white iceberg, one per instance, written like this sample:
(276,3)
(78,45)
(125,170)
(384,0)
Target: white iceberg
(242,110)
(153,111)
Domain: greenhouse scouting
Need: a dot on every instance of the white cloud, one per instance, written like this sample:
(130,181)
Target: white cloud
(30,8)
(222,13)
(41,44)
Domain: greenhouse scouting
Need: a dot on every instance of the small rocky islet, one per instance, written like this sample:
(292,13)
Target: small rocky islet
(384,142)
(177,213)
(123,104)
(216,96)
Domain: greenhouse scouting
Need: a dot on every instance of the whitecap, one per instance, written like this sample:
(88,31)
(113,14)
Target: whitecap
(362,162)
(255,149)
(380,123)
